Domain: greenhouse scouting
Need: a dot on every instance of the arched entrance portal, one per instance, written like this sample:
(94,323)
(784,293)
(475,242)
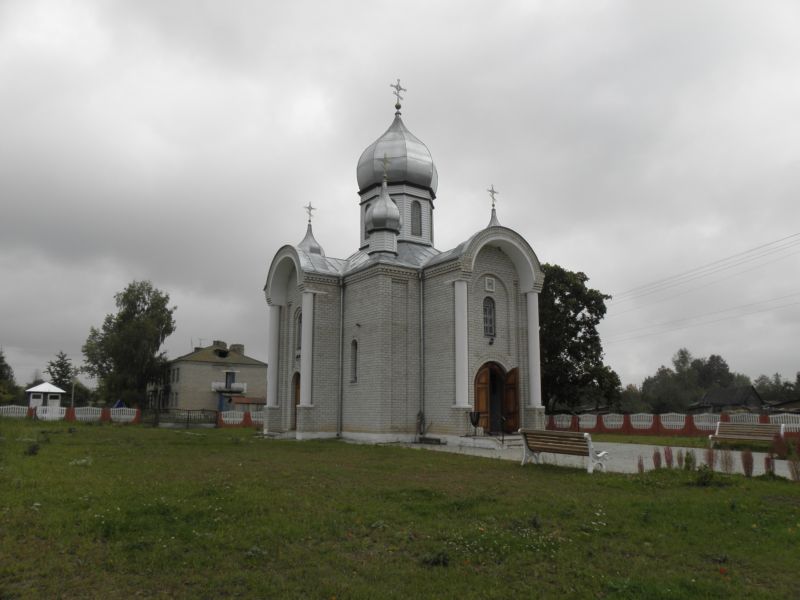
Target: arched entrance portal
(496,398)
(296,402)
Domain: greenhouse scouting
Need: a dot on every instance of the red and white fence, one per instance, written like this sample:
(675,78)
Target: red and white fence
(666,424)
(83,414)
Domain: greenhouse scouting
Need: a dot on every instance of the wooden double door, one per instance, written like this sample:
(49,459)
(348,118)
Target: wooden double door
(497,398)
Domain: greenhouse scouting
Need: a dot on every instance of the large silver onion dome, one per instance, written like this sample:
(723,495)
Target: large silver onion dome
(409,159)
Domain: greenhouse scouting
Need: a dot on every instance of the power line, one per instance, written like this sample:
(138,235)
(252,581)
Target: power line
(712,313)
(695,288)
(722,264)
(626,338)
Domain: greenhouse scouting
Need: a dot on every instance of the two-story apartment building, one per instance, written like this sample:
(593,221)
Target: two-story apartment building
(215,377)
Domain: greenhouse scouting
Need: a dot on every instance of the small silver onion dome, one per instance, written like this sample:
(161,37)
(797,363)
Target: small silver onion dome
(383,214)
(409,158)
(310,244)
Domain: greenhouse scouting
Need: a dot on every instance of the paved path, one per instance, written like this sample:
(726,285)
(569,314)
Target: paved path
(623,458)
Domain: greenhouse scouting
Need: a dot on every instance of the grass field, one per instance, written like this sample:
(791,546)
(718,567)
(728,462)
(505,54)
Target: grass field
(118,512)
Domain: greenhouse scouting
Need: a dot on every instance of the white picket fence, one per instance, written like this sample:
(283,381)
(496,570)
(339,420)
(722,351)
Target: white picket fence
(612,421)
(642,420)
(13,411)
(50,413)
(563,421)
(257,416)
(88,414)
(791,422)
(673,421)
(123,415)
(706,421)
(744,418)
(232,417)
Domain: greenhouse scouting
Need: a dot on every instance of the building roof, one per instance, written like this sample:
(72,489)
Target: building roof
(46,388)
(219,353)
(735,396)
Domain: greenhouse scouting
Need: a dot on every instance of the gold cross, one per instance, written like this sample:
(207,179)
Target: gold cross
(309,210)
(397,89)
(492,193)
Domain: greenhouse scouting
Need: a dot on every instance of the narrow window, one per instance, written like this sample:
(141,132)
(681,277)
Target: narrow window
(367,210)
(177,375)
(488,317)
(230,379)
(353,361)
(416,218)
(298,332)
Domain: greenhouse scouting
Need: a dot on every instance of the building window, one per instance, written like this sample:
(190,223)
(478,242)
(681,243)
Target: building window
(416,218)
(367,210)
(177,374)
(230,378)
(298,333)
(53,397)
(353,361)
(489,284)
(36,396)
(488,317)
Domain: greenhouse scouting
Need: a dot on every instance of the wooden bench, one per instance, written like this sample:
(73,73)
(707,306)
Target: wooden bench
(745,432)
(560,442)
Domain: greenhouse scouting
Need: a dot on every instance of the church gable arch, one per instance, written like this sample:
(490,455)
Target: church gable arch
(526,264)
(279,278)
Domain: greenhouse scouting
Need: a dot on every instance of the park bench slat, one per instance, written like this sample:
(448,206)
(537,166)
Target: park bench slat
(745,432)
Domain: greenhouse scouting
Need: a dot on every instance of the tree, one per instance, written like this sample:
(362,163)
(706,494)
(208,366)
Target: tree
(61,371)
(8,387)
(675,389)
(572,366)
(713,372)
(124,353)
(666,391)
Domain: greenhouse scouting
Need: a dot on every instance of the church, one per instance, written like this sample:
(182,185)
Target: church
(401,340)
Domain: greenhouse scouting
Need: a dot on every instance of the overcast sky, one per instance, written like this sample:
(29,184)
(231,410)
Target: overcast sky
(177,141)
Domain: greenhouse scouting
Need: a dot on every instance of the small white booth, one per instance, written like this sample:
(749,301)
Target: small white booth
(44,394)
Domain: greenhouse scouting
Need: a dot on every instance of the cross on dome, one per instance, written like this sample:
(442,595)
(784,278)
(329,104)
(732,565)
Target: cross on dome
(492,193)
(309,209)
(397,89)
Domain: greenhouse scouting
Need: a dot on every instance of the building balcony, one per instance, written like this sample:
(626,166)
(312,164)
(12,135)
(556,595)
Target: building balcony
(222,387)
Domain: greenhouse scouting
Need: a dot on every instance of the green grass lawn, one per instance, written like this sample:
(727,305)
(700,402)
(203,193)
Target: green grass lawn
(654,440)
(128,511)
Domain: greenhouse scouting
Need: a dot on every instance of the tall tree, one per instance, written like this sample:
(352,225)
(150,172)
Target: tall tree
(8,387)
(61,371)
(124,353)
(573,372)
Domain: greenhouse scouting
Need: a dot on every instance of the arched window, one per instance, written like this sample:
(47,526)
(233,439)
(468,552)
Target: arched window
(298,332)
(488,317)
(353,361)
(416,218)
(367,210)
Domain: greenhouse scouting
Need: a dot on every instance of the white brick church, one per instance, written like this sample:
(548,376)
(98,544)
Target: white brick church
(400,338)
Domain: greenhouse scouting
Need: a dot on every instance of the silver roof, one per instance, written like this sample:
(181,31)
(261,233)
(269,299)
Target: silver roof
(409,159)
